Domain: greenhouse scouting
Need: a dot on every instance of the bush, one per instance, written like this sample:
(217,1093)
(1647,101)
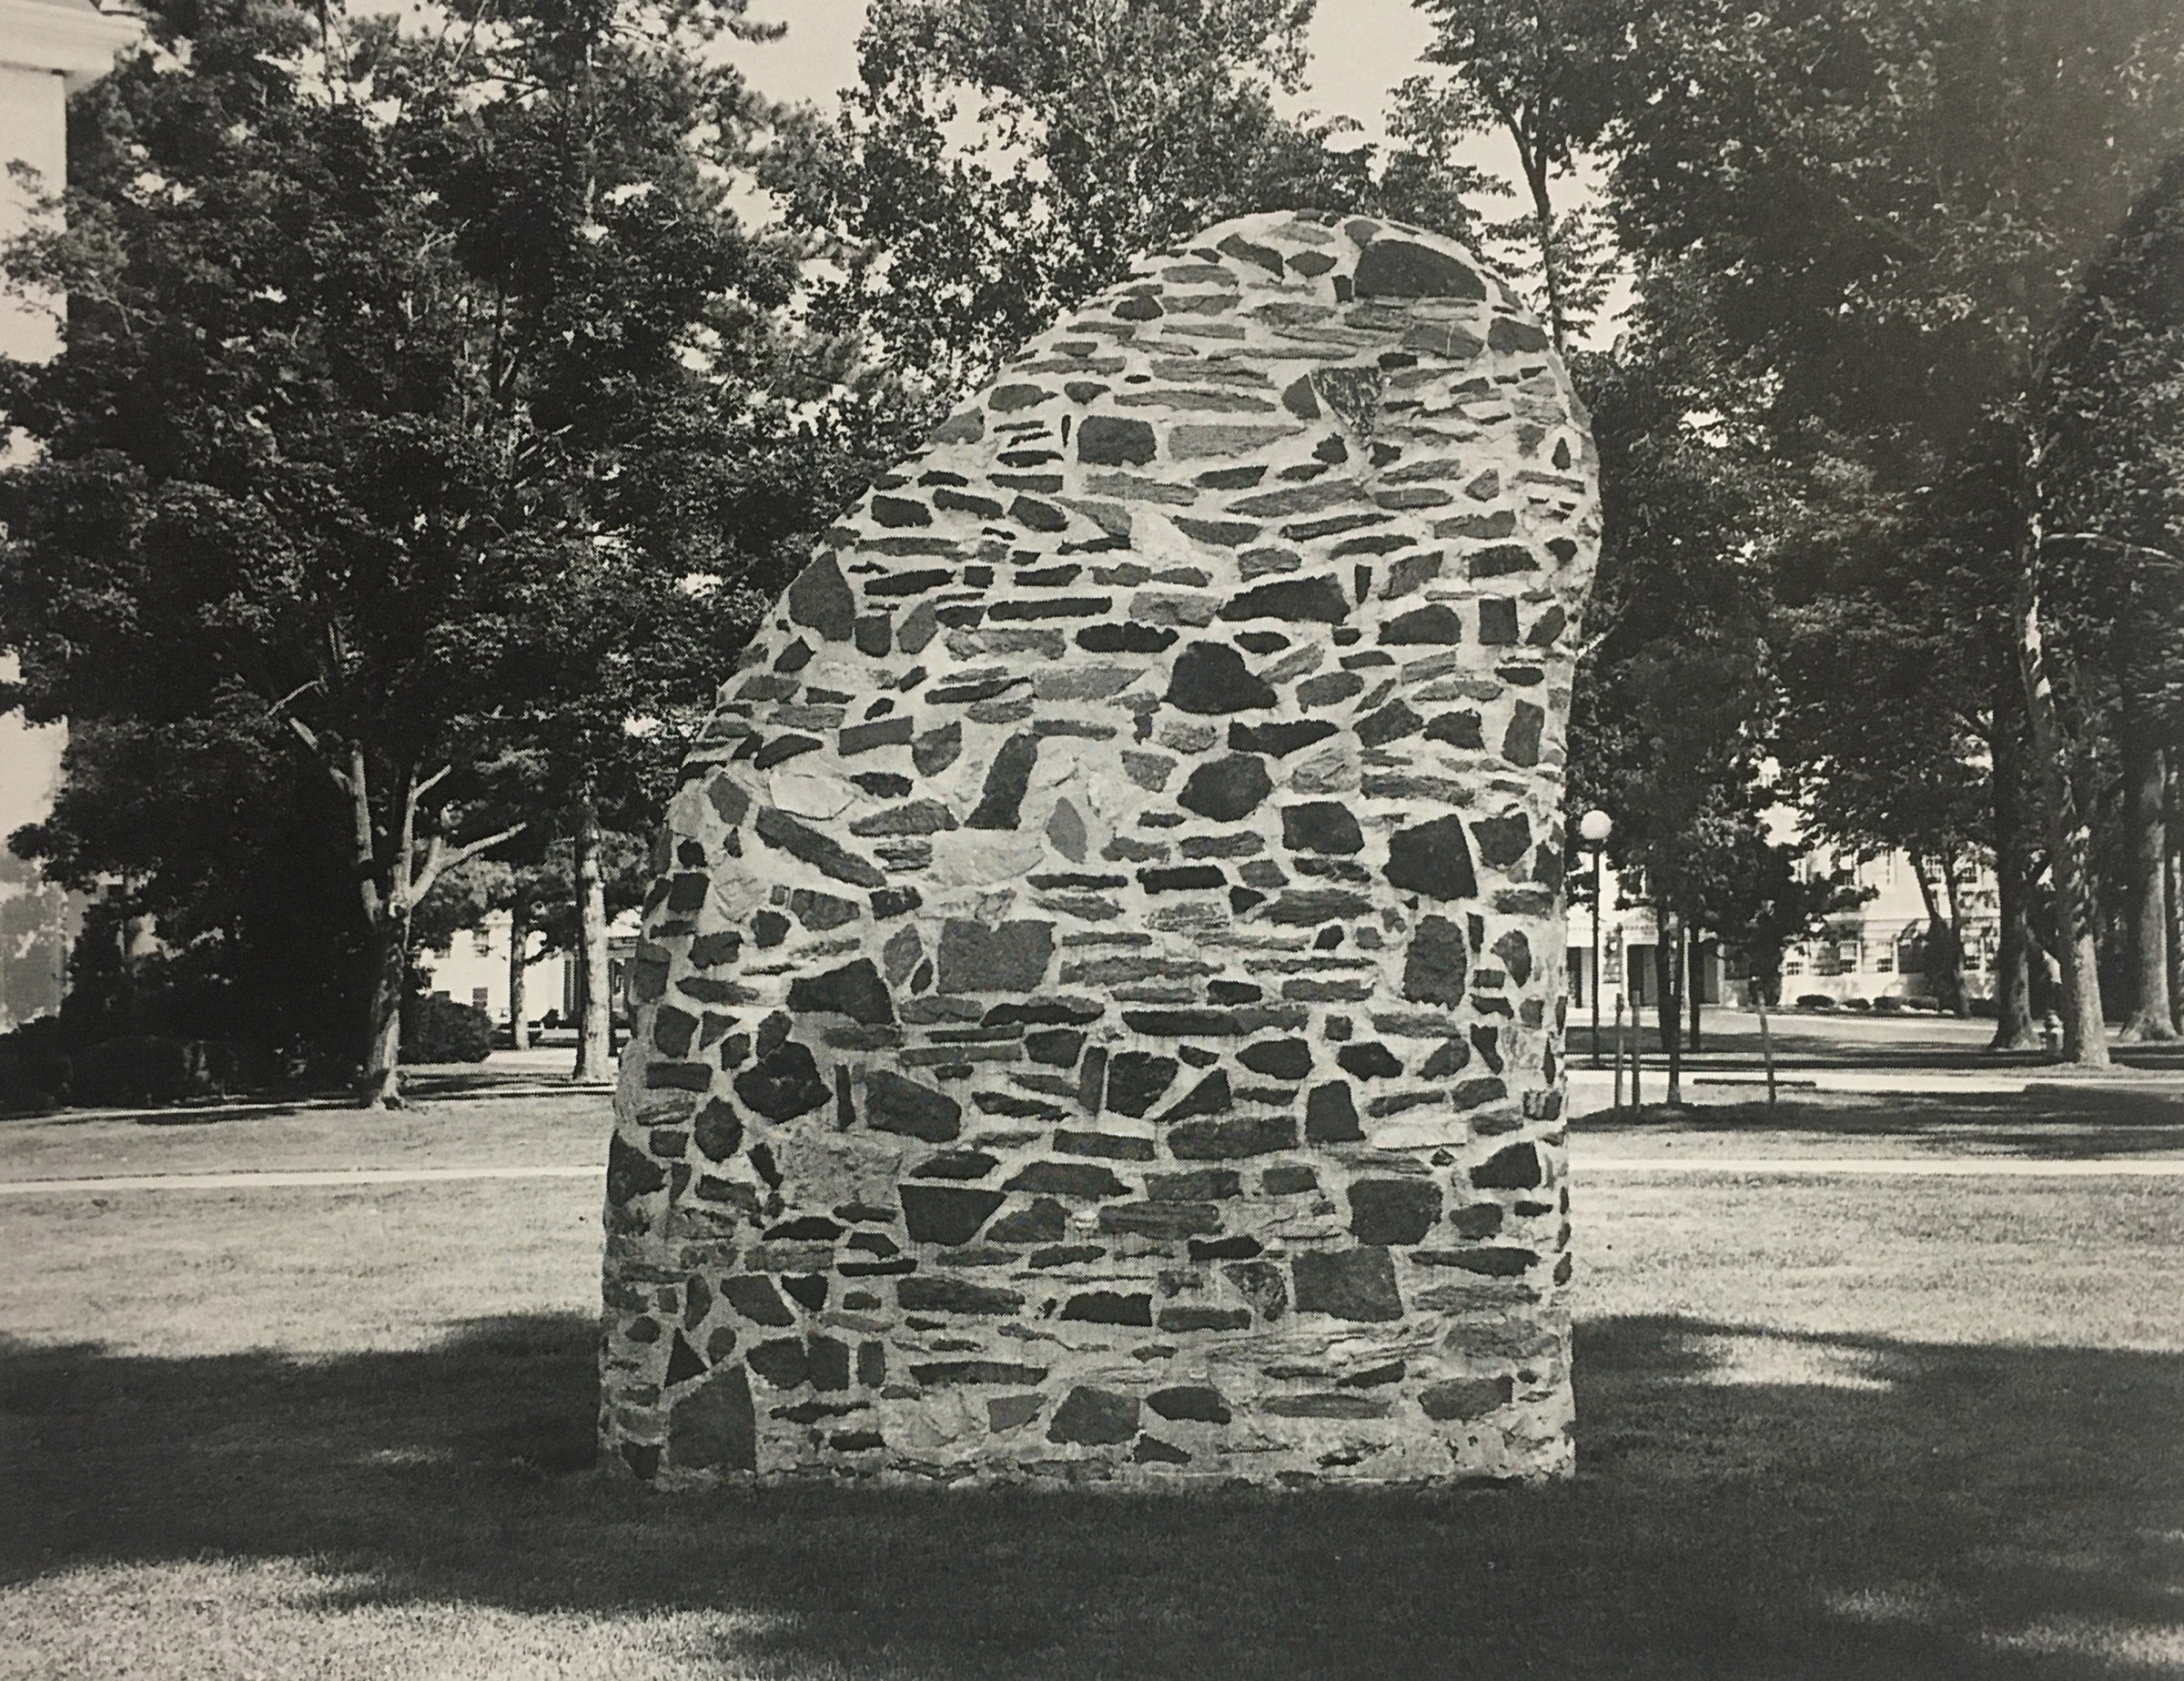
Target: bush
(438,1029)
(153,1067)
(1890,1006)
(1864,1006)
(35,1068)
(1814,1000)
(1988,1010)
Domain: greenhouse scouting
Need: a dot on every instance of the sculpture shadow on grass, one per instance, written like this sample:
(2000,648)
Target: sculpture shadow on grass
(1749,1502)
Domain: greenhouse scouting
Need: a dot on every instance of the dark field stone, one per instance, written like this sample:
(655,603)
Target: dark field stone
(1349,1283)
(893,1104)
(683,1363)
(769,928)
(673,1031)
(783,1084)
(1160,1220)
(1317,600)
(1107,1307)
(1210,678)
(1497,622)
(1044,1221)
(1210,1095)
(1205,1319)
(900,511)
(1434,859)
(1516,1168)
(827,1363)
(1226,789)
(821,598)
(1473,1093)
(1152,1450)
(956,1163)
(822,911)
(1508,334)
(1462,1398)
(936,750)
(1520,746)
(1436,969)
(1289,1179)
(1279,739)
(1331,689)
(1181,877)
(1503,841)
(1322,826)
(1392,1210)
(782,1362)
(1495,1263)
(947,1214)
(1108,441)
(1331,1115)
(1094,1418)
(1192,1402)
(1013,957)
(854,990)
(1369,1059)
(1058,1048)
(941,1373)
(1107,1146)
(1200,1185)
(1437,623)
(1399,268)
(1278,1059)
(1001,802)
(1125,638)
(1390,724)
(718,1131)
(713,1427)
(753,1296)
(951,1295)
(1480,1219)
(1226,1140)
(828,856)
(1135,1078)
(631,1172)
(1515,953)
(1069,1179)
(1458,729)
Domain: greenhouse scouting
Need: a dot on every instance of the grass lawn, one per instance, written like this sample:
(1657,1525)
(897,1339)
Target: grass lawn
(1842,1427)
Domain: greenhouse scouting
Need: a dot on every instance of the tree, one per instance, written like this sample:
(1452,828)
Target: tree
(2113,405)
(381,338)
(1545,76)
(1894,202)
(1000,160)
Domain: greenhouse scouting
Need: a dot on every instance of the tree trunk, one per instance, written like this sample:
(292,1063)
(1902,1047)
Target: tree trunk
(2085,1036)
(1671,1011)
(2145,777)
(1691,985)
(1944,948)
(2013,873)
(2175,875)
(381,1084)
(519,953)
(594,1039)
(1668,1024)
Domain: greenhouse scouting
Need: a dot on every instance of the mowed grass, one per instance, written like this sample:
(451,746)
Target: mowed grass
(1835,1427)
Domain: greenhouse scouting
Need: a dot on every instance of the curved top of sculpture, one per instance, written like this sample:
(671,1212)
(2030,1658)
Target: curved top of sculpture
(1101,1005)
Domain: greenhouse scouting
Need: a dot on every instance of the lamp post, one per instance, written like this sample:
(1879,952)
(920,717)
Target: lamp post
(1594,828)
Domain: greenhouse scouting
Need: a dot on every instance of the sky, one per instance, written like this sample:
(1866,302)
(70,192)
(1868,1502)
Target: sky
(1360,49)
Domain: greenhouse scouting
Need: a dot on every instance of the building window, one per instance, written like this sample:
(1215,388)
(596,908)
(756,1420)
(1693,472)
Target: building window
(478,997)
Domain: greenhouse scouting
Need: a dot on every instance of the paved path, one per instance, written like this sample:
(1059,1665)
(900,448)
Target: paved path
(1775,1166)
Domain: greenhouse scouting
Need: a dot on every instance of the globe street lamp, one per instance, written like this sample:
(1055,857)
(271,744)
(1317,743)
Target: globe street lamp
(1594,828)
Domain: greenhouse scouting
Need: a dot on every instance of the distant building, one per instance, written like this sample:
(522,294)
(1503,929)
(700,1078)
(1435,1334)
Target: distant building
(1876,951)
(48,49)
(474,971)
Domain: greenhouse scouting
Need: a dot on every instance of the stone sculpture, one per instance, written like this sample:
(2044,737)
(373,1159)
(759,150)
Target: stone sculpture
(1100,1012)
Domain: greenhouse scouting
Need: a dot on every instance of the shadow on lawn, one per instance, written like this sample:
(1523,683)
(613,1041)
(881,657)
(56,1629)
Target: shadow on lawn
(2049,1125)
(1750,1504)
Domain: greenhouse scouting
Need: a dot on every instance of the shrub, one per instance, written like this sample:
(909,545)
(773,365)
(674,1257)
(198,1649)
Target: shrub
(437,1029)
(35,1068)
(1814,1000)
(1890,1006)
(154,1068)
(1864,1006)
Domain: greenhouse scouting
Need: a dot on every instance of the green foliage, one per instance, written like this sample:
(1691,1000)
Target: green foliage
(440,1030)
(1000,160)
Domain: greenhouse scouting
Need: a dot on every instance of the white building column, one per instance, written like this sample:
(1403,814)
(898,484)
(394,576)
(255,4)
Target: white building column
(48,48)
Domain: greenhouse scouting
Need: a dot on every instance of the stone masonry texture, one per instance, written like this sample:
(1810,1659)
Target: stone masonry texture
(1100,1012)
